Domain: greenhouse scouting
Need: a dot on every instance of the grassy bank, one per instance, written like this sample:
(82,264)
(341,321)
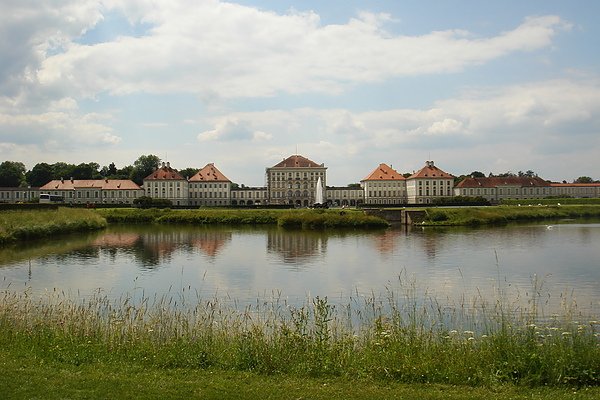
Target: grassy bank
(398,340)
(308,219)
(34,224)
(551,201)
(506,214)
(28,378)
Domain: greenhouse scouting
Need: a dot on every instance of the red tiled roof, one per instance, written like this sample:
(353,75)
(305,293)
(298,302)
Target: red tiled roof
(165,173)
(495,181)
(384,173)
(297,161)
(556,184)
(104,184)
(430,171)
(209,173)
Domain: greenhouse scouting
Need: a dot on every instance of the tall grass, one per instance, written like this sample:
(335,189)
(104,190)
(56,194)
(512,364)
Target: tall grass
(551,201)
(306,219)
(33,224)
(402,337)
(317,219)
(506,214)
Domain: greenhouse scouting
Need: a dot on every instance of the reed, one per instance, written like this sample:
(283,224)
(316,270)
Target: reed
(401,336)
(552,201)
(19,225)
(305,219)
(506,214)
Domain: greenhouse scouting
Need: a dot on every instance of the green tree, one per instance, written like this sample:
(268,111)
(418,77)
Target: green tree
(39,175)
(124,173)
(188,172)
(507,174)
(12,174)
(112,169)
(109,171)
(477,174)
(62,170)
(144,166)
(86,171)
(583,179)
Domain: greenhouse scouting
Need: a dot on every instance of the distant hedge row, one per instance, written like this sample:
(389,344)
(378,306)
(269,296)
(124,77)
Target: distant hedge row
(305,219)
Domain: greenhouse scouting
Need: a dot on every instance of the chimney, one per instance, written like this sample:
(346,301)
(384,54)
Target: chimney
(62,180)
(163,164)
(71,179)
(168,164)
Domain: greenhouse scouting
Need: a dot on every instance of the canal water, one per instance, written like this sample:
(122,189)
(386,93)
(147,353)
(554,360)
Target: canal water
(558,265)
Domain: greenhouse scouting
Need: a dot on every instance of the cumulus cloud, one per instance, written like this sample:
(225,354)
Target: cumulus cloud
(30,31)
(245,52)
(448,125)
(233,129)
(228,52)
(482,126)
(56,129)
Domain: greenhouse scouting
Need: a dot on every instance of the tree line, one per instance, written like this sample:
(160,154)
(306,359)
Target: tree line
(14,173)
(527,174)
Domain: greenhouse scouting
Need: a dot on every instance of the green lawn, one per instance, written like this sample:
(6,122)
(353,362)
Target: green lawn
(20,225)
(30,378)
(505,214)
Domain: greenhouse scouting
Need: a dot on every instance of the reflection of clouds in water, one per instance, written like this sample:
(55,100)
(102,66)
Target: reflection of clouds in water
(451,265)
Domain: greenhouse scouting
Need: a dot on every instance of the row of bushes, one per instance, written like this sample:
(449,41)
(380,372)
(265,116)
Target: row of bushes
(551,201)
(318,219)
(461,201)
(307,219)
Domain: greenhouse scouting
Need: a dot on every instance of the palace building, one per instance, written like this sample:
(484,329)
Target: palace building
(209,187)
(293,181)
(495,189)
(429,183)
(99,191)
(166,183)
(384,185)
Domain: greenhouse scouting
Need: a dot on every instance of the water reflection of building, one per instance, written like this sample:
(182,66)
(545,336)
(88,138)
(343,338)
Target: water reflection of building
(387,241)
(116,239)
(430,241)
(294,246)
(151,248)
(211,242)
(160,246)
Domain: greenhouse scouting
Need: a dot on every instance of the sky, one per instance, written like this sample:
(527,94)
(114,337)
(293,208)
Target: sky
(473,85)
